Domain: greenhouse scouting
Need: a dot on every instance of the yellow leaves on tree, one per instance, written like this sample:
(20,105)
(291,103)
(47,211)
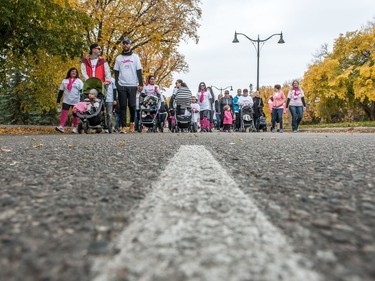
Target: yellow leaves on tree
(155,28)
(346,74)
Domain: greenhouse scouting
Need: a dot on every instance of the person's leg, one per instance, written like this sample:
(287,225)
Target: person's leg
(109,113)
(293,112)
(137,118)
(273,121)
(201,120)
(132,93)
(256,121)
(211,118)
(280,115)
(299,110)
(117,121)
(122,103)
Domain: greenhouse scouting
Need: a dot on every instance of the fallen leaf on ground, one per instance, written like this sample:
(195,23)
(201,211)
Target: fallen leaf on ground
(38,145)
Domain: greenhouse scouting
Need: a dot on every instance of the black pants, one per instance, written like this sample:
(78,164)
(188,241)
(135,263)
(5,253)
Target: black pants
(126,98)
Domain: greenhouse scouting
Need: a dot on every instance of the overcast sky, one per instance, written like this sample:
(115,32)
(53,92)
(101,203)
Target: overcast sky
(306,26)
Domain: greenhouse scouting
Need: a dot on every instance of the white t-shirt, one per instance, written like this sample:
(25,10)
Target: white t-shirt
(111,87)
(242,100)
(295,97)
(74,96)
(206,103)
(195,114)
(127,67)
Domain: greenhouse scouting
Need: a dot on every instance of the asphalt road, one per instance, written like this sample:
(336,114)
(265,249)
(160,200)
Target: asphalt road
(66,202)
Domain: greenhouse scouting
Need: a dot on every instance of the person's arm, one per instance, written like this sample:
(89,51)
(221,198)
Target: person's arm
(287,102)
(107,73)
(83,71)
(115,95)
(140,77)
(59,96)
(117,73)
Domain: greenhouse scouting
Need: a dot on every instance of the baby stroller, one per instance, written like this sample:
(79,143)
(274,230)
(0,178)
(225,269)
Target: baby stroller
(263,123)
(92,119)
(183,119)
(149,111)
(246,118)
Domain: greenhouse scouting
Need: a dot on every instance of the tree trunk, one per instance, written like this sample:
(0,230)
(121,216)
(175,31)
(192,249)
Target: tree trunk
(369,109)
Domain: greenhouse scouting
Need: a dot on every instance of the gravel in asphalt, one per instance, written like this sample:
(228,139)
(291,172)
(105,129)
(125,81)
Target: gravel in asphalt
(65,199)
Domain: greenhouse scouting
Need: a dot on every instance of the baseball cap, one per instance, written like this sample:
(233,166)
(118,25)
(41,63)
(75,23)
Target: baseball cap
(126,41)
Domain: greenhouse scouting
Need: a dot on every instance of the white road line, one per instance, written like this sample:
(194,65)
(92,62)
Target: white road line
(197,224)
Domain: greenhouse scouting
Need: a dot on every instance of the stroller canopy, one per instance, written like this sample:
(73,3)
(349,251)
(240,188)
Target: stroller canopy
(93,83)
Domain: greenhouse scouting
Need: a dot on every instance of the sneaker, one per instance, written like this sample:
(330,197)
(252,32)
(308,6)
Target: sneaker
(116,130)
(131,129)
(60,129)
(273,130)
(281,130)
(75,130)
(294,131)
(123,130)
(106,131)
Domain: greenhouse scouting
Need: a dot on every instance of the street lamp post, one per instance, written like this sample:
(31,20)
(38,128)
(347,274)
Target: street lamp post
(222,89)
(257,48)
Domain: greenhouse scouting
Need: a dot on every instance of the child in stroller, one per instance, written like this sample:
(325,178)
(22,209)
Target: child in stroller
(90,110)
(246,112)
(149,109)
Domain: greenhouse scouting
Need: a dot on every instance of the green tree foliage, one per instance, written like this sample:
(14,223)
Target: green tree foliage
(38,39)
(340,85)
(41,39)
(54,26)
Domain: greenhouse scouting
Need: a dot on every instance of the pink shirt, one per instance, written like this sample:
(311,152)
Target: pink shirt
(278,99)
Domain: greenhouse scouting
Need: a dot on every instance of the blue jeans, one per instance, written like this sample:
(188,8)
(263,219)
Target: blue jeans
(297,114)
(277,114)
(256,122)
(117,121)
(218,118)
(109,114)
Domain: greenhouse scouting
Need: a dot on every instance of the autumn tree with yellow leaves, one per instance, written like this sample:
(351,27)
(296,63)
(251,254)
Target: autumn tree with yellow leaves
(40,40)
(155,27)
(340,85)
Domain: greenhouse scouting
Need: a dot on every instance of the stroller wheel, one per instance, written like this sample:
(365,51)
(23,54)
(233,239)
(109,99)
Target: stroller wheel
(86,128)
(80,128)
(140,127)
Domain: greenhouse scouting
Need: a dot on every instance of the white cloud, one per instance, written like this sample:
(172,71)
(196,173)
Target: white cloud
(306,25)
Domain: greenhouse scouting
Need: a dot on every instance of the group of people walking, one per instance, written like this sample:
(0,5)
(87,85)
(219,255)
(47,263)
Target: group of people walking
(223,112)
(121,90)
(124,90)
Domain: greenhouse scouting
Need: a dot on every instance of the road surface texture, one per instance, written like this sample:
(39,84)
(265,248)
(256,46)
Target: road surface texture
(214,206)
